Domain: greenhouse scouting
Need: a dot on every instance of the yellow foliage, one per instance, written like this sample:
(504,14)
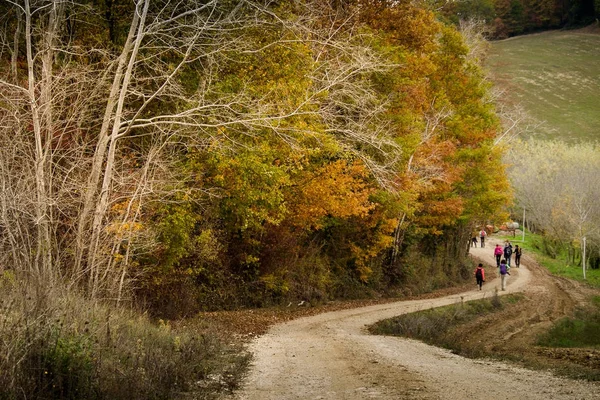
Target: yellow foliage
(337,190)
(119,228)
(275,284)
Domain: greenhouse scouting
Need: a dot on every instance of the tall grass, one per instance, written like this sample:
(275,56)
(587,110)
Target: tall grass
(432,325)
(58,345)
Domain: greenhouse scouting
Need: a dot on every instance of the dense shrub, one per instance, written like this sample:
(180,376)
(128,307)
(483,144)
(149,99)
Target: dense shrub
(61,346)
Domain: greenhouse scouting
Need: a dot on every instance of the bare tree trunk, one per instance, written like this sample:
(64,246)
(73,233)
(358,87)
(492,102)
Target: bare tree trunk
(398,238)
(139,196)
(103,201)
(100,153)
(43,254)
(47,105)
(7,222)
(15,50)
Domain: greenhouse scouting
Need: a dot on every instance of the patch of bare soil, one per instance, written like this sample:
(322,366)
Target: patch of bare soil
(331,355)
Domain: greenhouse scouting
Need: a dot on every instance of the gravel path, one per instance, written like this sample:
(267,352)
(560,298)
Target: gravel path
(331,356)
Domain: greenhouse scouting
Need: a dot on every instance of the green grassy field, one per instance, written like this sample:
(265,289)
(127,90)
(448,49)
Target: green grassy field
(555,77)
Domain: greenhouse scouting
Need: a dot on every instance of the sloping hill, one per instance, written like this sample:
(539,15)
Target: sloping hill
(555,76)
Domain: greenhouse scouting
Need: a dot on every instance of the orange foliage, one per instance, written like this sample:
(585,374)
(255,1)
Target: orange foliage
(336,190)
(440,115)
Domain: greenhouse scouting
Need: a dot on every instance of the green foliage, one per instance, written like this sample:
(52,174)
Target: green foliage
(474,9)
(253,182)
(583,330)
(63,365)
(516,17)
(175,229)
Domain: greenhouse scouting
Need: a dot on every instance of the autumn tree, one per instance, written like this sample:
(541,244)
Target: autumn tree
(448,122)
(557,184)
(104,123)
(262,148)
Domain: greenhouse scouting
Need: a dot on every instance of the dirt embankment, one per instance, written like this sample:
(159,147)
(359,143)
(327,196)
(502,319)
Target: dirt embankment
(514,331)
(331,355)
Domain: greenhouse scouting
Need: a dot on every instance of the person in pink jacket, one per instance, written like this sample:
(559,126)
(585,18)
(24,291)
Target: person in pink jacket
(498,253)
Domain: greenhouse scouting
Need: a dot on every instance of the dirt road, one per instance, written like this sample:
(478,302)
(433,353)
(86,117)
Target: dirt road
(331,355)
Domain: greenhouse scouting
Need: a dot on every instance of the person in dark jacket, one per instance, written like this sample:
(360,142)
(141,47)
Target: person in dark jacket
(508,250)
(518,252)
(480,275)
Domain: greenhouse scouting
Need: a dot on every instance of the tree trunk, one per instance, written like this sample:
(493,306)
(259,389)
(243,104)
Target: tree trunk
(89,201)
(103,200)
(15,51)
(43,254)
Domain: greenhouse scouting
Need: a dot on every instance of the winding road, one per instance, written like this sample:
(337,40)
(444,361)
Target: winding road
(332,356)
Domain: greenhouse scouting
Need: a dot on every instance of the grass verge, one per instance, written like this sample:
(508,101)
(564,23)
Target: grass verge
(559,265)
(580,331)
(435,326)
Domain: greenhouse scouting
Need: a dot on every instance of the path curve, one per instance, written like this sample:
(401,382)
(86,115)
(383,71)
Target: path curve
(332,356)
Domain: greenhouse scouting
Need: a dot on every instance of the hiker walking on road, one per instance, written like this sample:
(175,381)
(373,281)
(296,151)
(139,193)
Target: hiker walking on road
(482,236)
(508,250)
(480,275)
(518,252)
(498,254)
(474,241)
(503,272)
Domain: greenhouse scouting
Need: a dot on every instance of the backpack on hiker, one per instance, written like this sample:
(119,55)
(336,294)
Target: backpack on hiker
(479,274)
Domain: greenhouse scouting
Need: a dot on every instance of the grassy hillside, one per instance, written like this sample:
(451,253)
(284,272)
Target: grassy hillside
(555,76)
